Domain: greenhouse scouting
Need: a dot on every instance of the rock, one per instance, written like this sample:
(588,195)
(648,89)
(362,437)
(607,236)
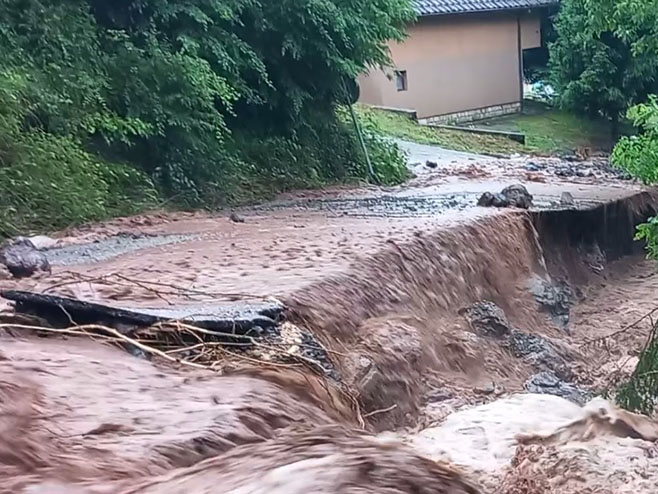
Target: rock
(518,196)
(531,166)
(554,298)
(500,201)
(236,218)
(486,200)
(566,199)
(548,383)
(512,196)
(493,200)
(486,319)
(23,259)
(431,164)
(42,242)
(538,352)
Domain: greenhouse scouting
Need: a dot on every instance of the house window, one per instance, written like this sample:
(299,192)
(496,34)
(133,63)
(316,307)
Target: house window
(401,80)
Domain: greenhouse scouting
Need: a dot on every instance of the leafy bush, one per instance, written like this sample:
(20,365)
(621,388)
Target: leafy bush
(638,155)
(208,102)
(606,55)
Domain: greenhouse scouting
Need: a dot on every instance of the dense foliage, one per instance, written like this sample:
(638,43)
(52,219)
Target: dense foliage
(638,155)
(605,58)
(106,105)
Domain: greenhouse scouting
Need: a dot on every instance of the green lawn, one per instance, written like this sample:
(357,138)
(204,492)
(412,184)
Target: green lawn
(551,131)
(404,127)
(547,130)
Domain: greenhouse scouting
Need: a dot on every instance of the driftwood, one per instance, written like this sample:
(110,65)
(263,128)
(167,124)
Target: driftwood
(63,312)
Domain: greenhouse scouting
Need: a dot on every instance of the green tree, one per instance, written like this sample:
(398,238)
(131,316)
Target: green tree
(638,155)
(209,101)
(605,58)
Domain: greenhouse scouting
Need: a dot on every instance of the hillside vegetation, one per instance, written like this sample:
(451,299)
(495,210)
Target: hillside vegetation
(107,108)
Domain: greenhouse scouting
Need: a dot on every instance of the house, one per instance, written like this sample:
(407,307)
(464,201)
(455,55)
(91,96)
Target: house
(462,60)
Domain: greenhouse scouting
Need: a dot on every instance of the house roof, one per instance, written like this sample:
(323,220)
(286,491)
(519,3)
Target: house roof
(441,7)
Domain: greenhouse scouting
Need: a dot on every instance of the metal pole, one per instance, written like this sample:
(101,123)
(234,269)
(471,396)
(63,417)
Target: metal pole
(357,127)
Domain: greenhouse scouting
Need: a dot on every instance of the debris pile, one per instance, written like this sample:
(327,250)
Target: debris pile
(208,339)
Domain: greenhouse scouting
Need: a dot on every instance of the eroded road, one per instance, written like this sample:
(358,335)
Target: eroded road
(435,314)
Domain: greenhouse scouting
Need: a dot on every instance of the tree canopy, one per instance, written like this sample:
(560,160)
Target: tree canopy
(605,58)
(197,100)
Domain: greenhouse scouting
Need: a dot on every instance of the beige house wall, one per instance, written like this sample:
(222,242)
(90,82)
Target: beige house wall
(455,64)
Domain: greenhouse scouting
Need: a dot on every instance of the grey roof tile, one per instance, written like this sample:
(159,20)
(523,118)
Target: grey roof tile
(440,7)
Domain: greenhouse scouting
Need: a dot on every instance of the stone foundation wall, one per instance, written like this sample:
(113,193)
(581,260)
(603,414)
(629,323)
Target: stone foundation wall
(471,115)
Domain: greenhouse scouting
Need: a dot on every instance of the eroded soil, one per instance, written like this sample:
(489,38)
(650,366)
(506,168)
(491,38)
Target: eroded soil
(380,276)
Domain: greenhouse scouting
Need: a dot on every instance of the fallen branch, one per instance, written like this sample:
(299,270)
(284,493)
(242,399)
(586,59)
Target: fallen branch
(377,412)
(116,334)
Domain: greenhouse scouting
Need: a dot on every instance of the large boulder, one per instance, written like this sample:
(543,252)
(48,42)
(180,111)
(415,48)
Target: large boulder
(23,259)
(514,196)
(517,196)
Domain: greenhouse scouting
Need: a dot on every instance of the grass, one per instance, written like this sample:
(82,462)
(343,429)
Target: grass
(552,131)
(404,127)
(548,131)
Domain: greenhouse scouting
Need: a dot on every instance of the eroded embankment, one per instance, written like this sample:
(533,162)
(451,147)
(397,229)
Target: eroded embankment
(77,416)
(395,316)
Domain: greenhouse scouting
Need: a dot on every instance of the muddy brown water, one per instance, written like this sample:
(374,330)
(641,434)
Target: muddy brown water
(383,295)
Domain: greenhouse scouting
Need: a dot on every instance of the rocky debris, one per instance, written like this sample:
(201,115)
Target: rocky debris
(236,218)
(548,383)
(23,259)
(492,200)
(42,242)
(515,196)
(554,298)
(431,164)
(487,319)
(538,352)
(567,200)
(532,166)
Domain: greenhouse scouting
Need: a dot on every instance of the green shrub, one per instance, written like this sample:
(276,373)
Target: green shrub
(209,102)
(638,155)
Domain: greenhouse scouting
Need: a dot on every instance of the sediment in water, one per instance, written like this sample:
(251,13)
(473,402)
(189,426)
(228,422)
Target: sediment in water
(394,315)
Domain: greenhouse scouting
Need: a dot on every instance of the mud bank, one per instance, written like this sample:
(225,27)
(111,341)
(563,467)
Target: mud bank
(396,314)
(399,323)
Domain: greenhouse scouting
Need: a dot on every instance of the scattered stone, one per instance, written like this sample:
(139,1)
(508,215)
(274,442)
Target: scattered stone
(236,218)
(23,259)
(493,200)
(538,352)
(512,196)
(549,384)
(42,242)
(486,319)
(531,166)
(431,164)
(486,200)
(567,200)
(518,196)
